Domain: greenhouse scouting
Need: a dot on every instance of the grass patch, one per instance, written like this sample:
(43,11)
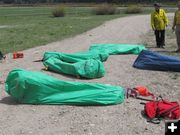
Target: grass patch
(59,11)
(134,9)
(105,9)
(27,27)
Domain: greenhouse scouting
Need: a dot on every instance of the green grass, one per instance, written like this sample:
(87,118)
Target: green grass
(148,10)
(27,27)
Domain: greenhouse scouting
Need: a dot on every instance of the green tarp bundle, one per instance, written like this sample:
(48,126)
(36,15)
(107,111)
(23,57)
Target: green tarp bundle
(82,64)
(76,57)
(86,68)
(117,48)
(38,88)
(87,64)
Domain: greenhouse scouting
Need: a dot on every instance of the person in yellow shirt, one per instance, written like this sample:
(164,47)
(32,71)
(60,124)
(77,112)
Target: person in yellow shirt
(176,24)
(159,22)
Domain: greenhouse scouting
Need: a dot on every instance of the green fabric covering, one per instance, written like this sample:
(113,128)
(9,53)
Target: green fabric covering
(87,64)
(76,57)
(38,88)
(117,48)
(86,68)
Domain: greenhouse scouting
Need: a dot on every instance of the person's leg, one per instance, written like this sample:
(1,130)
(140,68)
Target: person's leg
(178,37)
(162,38)
(157,34)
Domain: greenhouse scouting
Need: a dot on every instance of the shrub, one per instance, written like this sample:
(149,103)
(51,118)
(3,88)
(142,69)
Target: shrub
(105,9)
(59,11)
(134,9)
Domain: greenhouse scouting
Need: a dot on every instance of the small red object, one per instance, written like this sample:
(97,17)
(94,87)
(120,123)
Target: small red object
(143,91)
(18,55)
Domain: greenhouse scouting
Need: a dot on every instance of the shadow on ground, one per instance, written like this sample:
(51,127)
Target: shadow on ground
(8,100)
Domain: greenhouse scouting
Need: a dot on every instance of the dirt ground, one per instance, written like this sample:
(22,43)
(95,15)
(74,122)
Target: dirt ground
(122,119)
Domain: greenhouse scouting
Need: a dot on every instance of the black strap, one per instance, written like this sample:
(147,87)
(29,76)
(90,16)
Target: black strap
(158,119)
(38,60)
(145,99)
(2,56)
(169,110)
(155,120)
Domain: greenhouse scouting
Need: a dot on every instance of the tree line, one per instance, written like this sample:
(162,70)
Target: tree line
(81,1)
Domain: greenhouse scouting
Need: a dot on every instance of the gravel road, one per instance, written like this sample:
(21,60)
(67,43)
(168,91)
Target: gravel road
(122,119)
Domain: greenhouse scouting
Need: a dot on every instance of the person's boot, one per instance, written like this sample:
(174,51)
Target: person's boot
(162,46)
(178,50)
(157,45)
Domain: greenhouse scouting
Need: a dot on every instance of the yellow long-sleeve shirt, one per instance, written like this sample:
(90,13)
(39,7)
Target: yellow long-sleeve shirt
(177,18)
(159,20)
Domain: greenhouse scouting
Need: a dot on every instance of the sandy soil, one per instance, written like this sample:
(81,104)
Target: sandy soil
(122,119)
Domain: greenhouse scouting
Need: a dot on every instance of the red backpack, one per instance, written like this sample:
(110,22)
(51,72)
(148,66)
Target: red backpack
(155,109)
(162,109)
